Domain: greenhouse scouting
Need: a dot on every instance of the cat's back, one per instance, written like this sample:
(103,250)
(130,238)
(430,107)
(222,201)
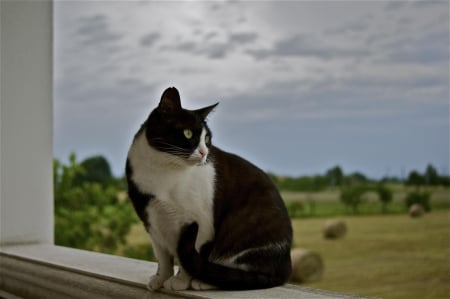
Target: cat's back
(237,172)
(239,183)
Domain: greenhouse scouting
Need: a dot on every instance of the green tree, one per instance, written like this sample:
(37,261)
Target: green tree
(415,179)
(351,196)
(97,170)
(431,176)
(88,215)
(335,176)
(356,178)
(384,195)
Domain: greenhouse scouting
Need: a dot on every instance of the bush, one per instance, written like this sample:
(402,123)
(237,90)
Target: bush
(418,197)
(88,215)
(141,251)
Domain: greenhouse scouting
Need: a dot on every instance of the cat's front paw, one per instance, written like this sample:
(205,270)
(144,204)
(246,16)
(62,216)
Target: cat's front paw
(177,283)
(156,282)
(201,286)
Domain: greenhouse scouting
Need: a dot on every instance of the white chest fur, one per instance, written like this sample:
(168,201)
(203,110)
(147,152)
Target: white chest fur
(182,193)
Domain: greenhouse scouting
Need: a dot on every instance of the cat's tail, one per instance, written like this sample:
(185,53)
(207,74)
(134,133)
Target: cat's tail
(223,277)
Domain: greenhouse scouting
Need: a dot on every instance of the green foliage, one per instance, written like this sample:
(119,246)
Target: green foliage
(351,196)
(97,170)
(140,251)
(419,197)
(88,214)
(415,179)
(384,195)
(356,178)
(429,178)
(305,183)
(295,208)
(335,176)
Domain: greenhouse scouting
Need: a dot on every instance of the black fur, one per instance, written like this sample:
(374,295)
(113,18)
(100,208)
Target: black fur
(223,277)
(248,213)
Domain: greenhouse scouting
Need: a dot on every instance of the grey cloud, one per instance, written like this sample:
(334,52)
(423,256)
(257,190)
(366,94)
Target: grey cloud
(150,39)
(243,38)
(210,35)
(355,27)
(430,49)
(214,49)
(95,30)
(394,5)
(302,45)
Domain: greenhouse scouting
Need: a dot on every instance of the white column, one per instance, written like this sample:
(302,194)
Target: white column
(26,190)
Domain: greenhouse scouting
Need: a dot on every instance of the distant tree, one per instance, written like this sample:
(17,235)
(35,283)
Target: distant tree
(390,179)
(351,196)
(97,170)
(356,178)
(415,179)
(384,195)
(310,183)
(335,176)
(431,176)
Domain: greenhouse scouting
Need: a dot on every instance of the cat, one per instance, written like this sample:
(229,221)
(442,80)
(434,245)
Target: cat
(218,214)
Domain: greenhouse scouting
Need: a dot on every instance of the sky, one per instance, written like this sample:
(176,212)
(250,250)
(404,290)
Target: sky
(302,85)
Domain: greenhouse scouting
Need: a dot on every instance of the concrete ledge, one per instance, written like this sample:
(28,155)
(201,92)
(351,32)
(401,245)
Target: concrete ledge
(47,271)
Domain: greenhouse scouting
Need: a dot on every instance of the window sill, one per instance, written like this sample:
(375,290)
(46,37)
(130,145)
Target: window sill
(47,271)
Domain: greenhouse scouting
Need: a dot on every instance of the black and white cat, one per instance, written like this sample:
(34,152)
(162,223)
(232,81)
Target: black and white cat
(218,214)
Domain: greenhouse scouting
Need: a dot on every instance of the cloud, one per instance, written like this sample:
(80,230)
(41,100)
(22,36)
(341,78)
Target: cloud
(150,39)
(95,30)
(243,37)
(303,45)
(429,49)
(394,5)
(212,46)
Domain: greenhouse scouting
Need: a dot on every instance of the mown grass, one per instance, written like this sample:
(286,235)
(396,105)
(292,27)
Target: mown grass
(391,256)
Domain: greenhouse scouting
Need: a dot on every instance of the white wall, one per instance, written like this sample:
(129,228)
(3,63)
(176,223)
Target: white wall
(26,192)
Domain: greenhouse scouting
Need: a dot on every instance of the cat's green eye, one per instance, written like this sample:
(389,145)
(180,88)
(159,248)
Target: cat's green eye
(187,133)
(207,139)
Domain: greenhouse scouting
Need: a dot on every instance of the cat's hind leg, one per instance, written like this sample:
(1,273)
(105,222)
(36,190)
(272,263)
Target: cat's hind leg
(165,269)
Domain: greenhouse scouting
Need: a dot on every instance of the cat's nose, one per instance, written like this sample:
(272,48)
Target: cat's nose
(203,151)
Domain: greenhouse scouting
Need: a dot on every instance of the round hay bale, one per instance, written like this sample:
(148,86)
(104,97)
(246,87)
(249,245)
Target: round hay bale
(416,210)
(307,266)
(334,229)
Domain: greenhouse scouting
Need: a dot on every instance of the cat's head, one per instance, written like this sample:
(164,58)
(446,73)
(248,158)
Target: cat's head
(179,132)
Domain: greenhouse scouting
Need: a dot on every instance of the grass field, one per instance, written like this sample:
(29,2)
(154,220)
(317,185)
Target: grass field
(391,256)
(327,204)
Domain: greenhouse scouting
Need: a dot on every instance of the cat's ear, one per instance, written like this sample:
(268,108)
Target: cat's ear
(170,101)
(203,112)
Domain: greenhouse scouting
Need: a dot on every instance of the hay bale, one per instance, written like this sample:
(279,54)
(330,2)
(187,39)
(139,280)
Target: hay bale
(334,229)
(416,210)
(307,266)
